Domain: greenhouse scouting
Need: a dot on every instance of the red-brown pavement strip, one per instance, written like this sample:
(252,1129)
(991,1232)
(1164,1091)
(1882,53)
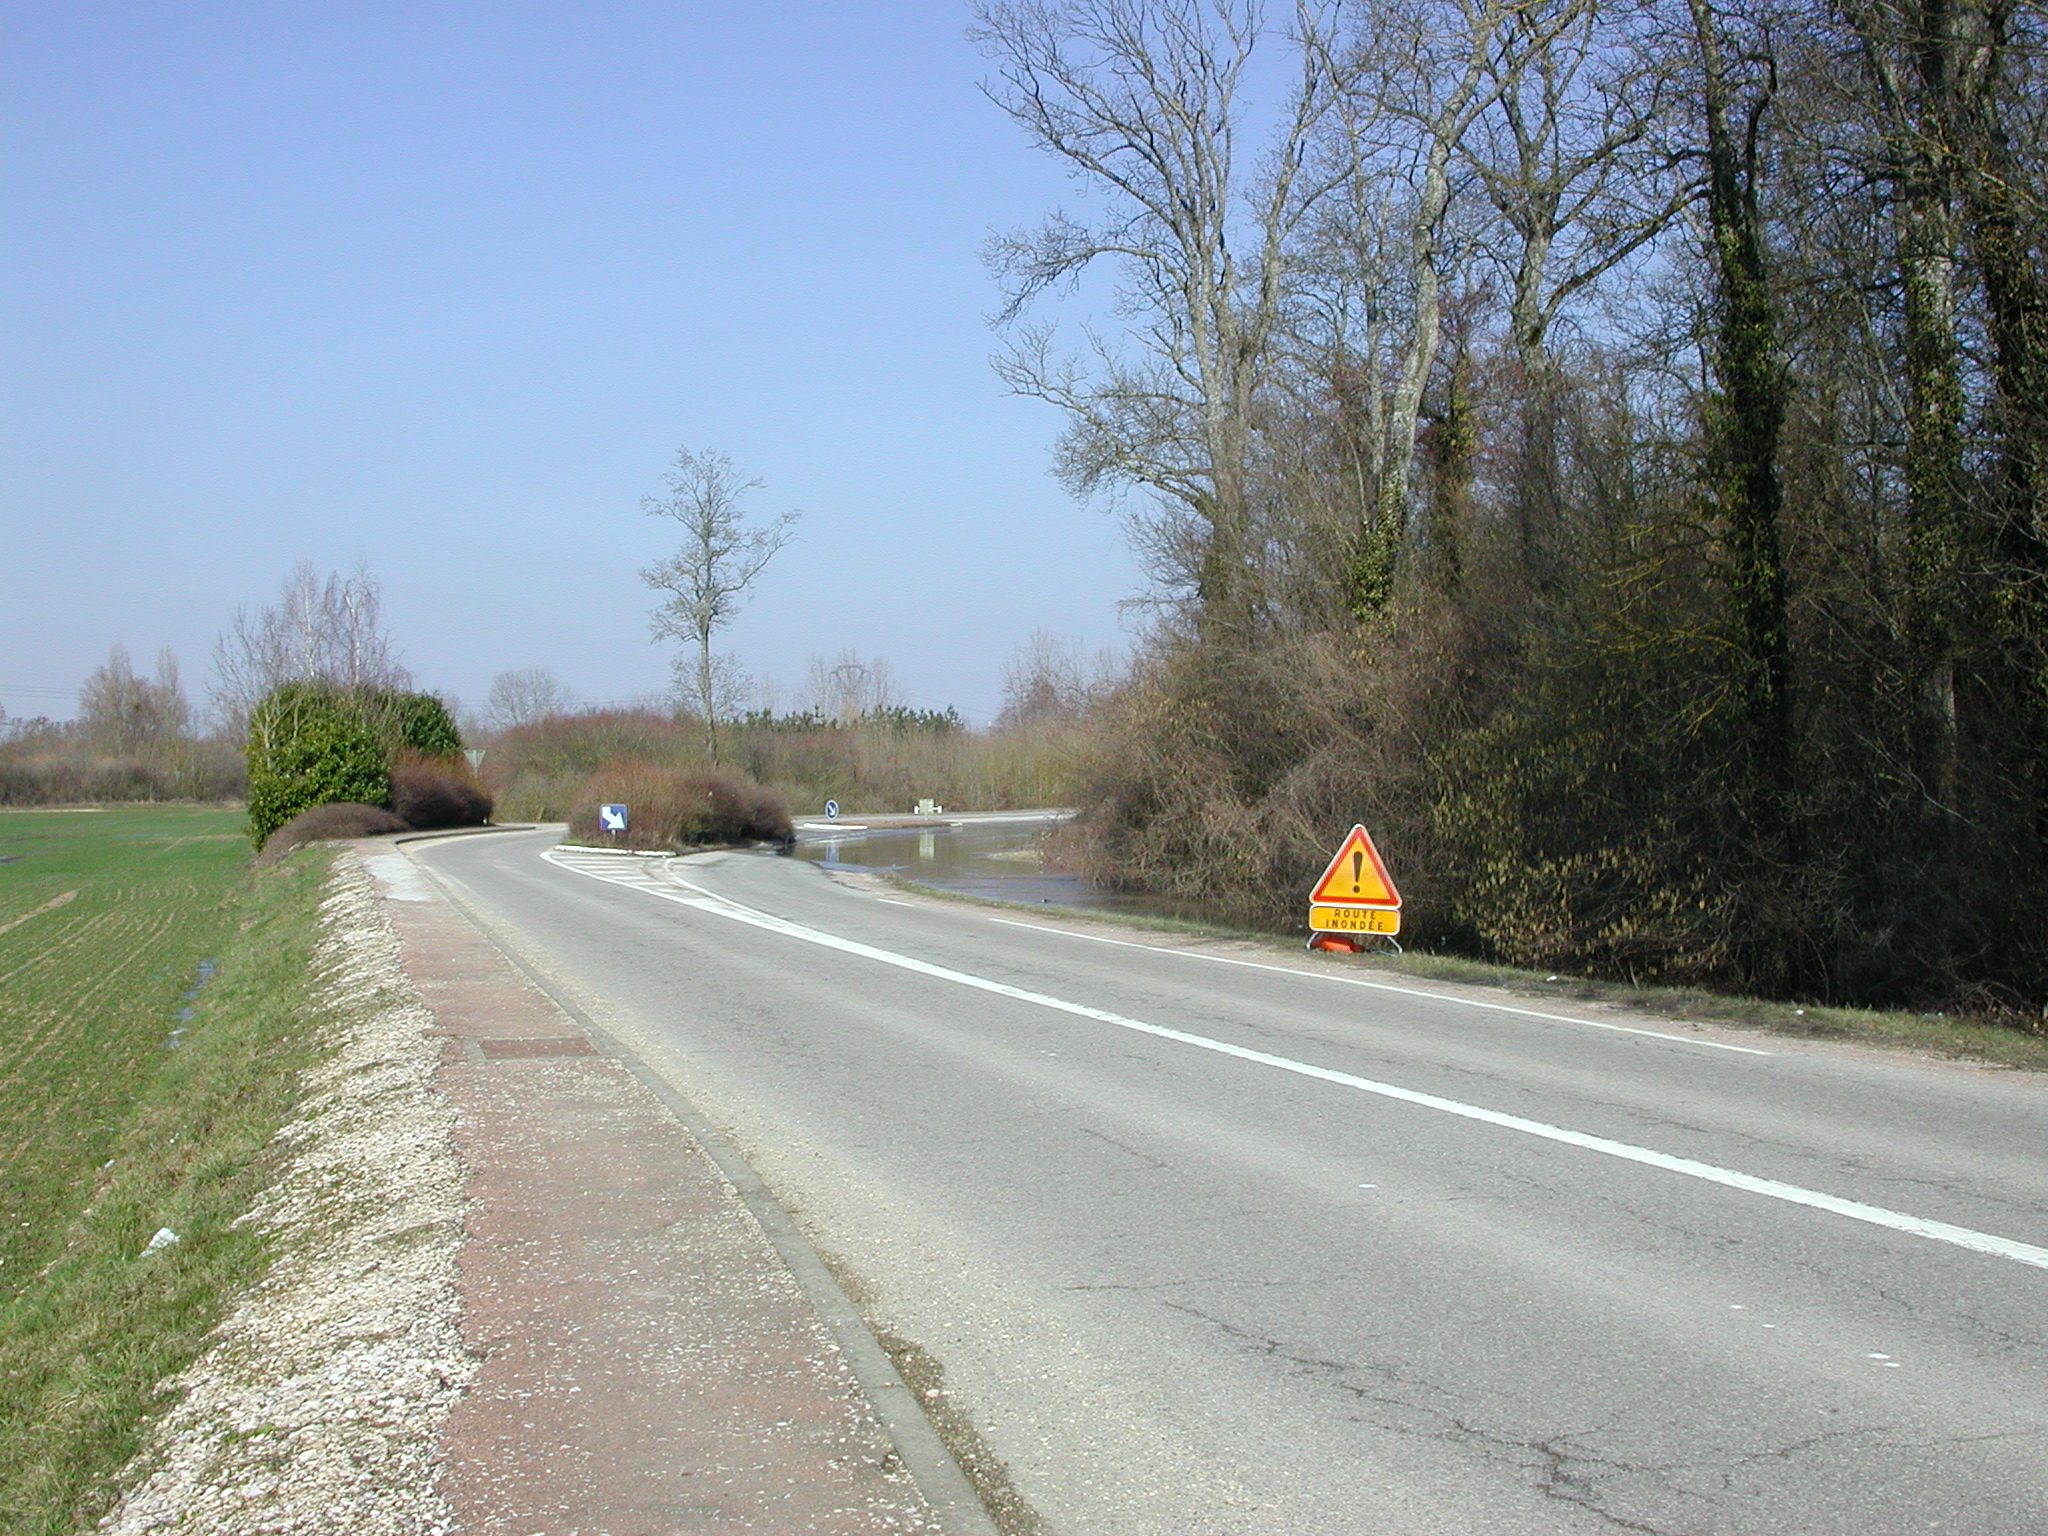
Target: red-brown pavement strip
(649,1367)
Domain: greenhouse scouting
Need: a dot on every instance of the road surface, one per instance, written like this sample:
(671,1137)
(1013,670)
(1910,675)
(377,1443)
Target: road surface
(1212,1239)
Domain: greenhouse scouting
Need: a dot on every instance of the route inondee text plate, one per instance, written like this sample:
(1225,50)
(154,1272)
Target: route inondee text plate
(1354,919)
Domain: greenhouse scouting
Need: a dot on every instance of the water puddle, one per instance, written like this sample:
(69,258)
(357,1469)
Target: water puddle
(186,1011)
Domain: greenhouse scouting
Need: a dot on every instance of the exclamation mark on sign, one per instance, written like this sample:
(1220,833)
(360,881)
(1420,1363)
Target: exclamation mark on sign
(1357,869)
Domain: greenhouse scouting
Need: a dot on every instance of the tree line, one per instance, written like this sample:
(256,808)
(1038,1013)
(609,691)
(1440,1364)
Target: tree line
(1606,446)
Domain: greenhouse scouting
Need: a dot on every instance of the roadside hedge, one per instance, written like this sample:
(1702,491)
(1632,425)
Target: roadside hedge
(309,745)
(422,722)
(672,807)
(313,743)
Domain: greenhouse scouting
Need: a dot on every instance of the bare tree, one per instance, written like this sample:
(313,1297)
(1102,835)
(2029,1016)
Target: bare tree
(123,713)
(1423,73)
(1561,150)
(524,695)
(846,687)
(1564,154)
(706,580)
(1347,321)
(1047,678)
(1141,101)
(326,629)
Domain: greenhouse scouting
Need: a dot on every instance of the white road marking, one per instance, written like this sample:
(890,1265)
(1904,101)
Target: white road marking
(1791,1194)
(1383,986)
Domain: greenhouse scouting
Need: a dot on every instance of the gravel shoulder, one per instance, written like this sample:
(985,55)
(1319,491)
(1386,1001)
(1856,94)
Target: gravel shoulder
(319,1403)
(512,1292)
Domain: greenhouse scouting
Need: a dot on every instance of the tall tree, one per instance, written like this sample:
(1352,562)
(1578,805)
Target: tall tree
(1420,75)
(706,579)
(1981,61)
(1142,102)
(1746,414)
(125,713)
(1563,151)
(327,629)
(1908,53)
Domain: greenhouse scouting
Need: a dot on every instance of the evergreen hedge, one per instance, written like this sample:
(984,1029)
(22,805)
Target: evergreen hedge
(313,743)
(309,744)
(422,722)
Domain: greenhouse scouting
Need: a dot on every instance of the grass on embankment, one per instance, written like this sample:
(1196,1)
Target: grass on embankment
(1928,1034)
(116,929)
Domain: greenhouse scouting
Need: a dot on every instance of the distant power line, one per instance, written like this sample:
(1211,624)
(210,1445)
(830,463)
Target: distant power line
(40,690)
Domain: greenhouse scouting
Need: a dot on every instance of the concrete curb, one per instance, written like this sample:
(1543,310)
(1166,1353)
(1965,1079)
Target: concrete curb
(398,838)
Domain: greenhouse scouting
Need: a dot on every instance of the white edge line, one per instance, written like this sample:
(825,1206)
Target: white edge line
(1792,1194)
(1382,986)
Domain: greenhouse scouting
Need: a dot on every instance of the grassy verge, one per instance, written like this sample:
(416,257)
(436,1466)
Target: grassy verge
(155,1009)
(1930,1034)
(1923,1034)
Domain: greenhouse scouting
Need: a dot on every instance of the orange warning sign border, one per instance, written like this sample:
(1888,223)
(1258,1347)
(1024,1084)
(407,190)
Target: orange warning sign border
(1326,892)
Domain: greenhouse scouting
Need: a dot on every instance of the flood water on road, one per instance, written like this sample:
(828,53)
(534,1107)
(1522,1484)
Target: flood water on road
(995,860)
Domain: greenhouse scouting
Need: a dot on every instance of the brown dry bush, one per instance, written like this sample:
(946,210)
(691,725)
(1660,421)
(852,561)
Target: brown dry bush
(1227,781)
(670,807)
(876,766)
(535,771)
(336,819)
(435,792)
(50,764)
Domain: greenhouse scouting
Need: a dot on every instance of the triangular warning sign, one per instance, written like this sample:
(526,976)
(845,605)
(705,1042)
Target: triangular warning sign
(1356,877)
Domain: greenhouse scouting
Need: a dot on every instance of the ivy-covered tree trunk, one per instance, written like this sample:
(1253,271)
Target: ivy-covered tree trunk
(1744,428)
(1934,483)
(1994,196)
(1453,440)
(1963,54)
(1910,60)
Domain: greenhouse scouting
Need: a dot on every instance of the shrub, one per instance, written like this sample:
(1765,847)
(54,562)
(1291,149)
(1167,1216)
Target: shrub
(49,764)
(1226,780)
(311,743)
(537,771)
(308,746)
(336,819)
(421,722)
(433,792)
(679,807)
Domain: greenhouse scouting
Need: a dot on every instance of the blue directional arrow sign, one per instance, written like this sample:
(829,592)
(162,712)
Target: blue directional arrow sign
(831,810)
(611,818)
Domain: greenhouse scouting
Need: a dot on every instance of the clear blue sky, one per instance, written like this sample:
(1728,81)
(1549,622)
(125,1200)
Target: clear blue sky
(442,286)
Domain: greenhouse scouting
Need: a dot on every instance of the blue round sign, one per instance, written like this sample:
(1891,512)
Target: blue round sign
(831,809)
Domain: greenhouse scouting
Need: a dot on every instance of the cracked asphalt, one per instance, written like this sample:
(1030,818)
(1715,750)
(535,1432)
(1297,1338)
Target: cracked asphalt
(1184,1275)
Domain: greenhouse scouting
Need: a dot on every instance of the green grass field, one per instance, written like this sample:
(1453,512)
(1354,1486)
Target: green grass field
(154,1011)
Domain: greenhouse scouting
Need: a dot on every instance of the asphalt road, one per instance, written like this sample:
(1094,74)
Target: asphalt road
(1213,1239)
